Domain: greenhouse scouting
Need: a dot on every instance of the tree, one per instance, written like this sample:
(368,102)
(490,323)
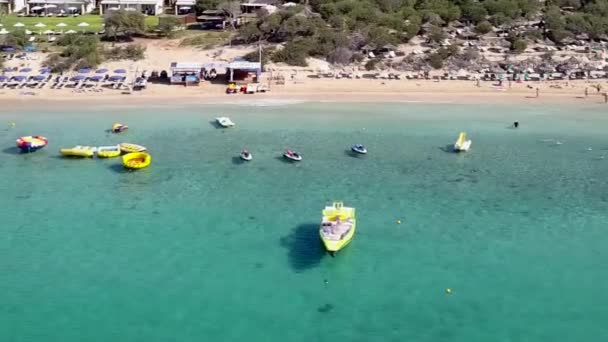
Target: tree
(204,5)
(474,11)
(436,61)
(232,9)
(518,45)
(124,23)
(484,27)
(554,20)
(436,34)
(168,24)
(340,55)
(295,52)
(446,9)
(16,38)
(250,33)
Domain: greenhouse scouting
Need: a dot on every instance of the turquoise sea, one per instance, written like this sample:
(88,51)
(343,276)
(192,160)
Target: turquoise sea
(201,247)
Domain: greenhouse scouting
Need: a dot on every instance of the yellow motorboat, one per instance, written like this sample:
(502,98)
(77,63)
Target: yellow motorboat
(136,160)
(108,151)
(337,227)
(119,128)
(79,151)
(130,148)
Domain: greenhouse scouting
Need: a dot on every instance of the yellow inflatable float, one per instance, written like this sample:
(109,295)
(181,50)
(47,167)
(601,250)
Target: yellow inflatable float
(108,151)
(136,160)
(79,151)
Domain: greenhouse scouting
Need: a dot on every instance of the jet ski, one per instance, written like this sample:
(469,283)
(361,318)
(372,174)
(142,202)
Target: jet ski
(292,155)
(246,155)
(358,148)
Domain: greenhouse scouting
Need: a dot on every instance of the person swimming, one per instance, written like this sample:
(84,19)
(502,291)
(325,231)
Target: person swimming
(516,124)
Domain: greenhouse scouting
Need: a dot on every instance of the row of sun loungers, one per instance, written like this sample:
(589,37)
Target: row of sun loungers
(59,82)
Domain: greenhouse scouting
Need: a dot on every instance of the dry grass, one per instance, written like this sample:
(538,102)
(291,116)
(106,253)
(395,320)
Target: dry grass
(206,40)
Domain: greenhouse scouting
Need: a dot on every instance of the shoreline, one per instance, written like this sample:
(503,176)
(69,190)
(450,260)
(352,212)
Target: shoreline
(424,92)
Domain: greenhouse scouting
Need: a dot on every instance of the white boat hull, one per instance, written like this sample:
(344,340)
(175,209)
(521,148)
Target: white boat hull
(225,122)
(292,157)
(465,146)
(246,157)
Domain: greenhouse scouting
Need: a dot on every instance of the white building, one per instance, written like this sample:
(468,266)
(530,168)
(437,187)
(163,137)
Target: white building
(184,6)
(55,6)
(149,7)
(10,6)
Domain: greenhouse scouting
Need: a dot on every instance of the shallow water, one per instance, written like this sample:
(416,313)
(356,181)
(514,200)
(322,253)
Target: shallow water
(200,245)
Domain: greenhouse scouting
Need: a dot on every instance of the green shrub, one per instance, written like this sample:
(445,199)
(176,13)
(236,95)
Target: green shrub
(294,52)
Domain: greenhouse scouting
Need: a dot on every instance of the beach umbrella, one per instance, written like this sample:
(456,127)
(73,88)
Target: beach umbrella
(84,71)
(96,78)
(18,25)
(83,25)
(39,78)
(70,32)
(26,70)
(62,25)
(19,77)
(49,32)
(44,70)
(78,78)
(120,71)
(3,31)
(3,78)
(101,71)
(115,78)
(39,25)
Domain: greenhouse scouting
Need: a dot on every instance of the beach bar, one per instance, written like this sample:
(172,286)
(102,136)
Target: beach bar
(244,71)
(186,73)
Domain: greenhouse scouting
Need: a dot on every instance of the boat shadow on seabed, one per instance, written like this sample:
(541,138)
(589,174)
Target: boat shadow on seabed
(305,250)
(12,150)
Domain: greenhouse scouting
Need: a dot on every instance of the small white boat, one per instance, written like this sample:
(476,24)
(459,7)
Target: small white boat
(358,148)
(462,144)
(292,155)
(225,122)
(246,155)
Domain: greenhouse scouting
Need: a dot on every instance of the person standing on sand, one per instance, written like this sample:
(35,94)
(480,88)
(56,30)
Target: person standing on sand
(537,92)
(605,97)
(586,91)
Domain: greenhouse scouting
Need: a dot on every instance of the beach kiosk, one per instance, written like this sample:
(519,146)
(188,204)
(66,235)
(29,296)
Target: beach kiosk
(186,73)
(244,71)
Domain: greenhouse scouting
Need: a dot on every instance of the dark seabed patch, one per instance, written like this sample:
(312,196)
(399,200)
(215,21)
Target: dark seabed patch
(325,308)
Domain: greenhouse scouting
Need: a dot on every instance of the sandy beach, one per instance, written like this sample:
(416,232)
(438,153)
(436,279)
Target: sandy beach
(342,90)
(301,84)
